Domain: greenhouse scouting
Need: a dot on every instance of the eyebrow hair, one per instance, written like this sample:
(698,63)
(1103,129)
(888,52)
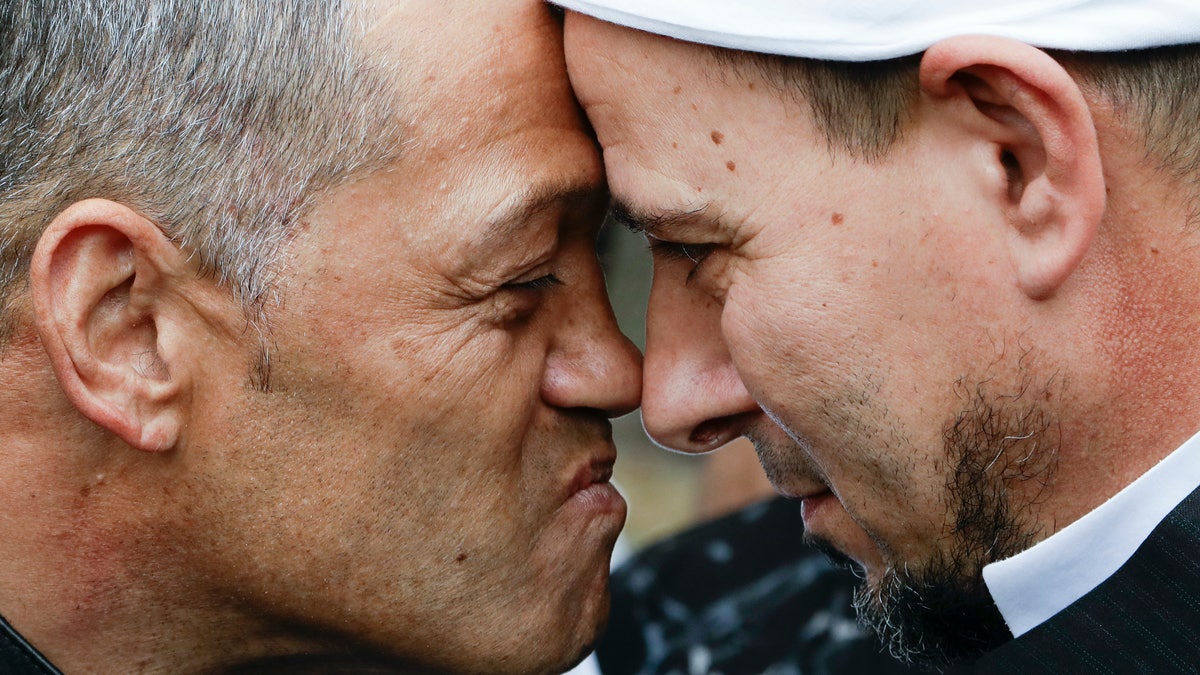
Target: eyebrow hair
(525,203)
(649,222)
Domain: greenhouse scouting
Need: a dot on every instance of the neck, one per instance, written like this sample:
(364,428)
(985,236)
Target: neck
(1124,335)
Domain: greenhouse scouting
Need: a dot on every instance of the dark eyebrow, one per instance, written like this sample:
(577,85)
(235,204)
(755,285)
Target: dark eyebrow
(650,222)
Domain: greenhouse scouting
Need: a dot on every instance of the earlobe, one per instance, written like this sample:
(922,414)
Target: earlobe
(97,279)
(1046,150)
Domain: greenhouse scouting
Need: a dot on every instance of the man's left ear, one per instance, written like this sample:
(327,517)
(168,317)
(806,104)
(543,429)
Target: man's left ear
(1046,148)
(106,287)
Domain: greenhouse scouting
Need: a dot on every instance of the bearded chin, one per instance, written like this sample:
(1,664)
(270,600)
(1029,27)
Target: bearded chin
(934,621)
(941,613)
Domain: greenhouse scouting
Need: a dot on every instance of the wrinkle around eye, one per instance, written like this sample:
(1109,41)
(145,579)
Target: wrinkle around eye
(516,303)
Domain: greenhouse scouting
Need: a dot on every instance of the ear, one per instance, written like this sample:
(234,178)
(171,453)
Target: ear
(1046,154)
(100,280)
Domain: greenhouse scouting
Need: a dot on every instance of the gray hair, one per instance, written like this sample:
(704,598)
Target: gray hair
(219,121)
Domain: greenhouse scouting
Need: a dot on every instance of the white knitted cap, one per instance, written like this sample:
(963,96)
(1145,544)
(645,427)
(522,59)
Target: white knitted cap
(865,30)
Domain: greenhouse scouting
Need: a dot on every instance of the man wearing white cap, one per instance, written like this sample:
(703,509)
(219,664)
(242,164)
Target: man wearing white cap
(951,249)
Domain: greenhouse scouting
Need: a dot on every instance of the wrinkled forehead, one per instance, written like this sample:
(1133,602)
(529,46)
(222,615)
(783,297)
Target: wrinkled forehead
(448,58)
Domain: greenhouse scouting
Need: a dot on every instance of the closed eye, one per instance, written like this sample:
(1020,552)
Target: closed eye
(673,250)
(542,283)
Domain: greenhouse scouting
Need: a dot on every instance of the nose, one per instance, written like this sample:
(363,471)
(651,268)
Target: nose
(693,399)
(592,364)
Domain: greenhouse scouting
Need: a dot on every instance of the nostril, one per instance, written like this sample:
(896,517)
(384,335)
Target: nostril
(715,432)
(708,432)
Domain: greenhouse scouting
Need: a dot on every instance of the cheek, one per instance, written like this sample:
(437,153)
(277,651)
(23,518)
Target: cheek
(457,363)
(773,334)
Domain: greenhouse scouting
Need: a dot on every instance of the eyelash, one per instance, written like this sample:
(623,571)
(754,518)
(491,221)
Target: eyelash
(673,250)
(542,283)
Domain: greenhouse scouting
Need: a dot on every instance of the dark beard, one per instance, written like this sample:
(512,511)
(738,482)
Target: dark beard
(943,613)
(933,621)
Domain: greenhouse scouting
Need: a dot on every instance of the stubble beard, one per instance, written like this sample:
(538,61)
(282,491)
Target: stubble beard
(941,613)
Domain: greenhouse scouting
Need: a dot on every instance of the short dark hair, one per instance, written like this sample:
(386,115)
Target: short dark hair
(860,107)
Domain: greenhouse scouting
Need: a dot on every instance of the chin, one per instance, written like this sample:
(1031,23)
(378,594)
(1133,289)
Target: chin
(564,640)
(564,658)
(933,619)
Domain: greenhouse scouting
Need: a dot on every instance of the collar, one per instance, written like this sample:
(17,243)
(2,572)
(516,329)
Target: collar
(1041,581)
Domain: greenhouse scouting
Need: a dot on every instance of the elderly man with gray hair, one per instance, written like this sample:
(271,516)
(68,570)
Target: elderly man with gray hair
(948,253)
(306,362)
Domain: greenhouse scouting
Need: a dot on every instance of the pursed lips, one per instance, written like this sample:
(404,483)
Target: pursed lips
(598,470)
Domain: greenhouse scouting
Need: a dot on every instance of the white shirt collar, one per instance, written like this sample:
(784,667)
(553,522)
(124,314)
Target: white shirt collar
(1041,581)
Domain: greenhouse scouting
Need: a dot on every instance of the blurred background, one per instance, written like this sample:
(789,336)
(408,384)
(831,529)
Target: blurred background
(666,491)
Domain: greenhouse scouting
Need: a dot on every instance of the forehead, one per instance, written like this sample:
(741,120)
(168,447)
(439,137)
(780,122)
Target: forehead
(492,135)
(468,66)
(683,131)
(476,79)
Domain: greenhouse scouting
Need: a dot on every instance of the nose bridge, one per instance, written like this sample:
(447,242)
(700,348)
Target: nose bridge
(693,398)
(592,364)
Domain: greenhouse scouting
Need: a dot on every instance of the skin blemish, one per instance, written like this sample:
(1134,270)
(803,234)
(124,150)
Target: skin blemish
(730,165)
(717,137)
(460,557)
(675,146)
(676,90)
(695,107)
(837,218)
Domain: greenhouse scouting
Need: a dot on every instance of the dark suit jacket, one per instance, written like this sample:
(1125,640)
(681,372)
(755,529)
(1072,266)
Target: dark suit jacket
(18,657)
(1145,618)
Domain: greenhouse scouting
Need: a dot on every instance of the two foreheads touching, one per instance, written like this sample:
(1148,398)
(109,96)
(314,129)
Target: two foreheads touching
(280,104)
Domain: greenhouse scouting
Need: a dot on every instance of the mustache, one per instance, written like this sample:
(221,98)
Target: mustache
(785,460)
